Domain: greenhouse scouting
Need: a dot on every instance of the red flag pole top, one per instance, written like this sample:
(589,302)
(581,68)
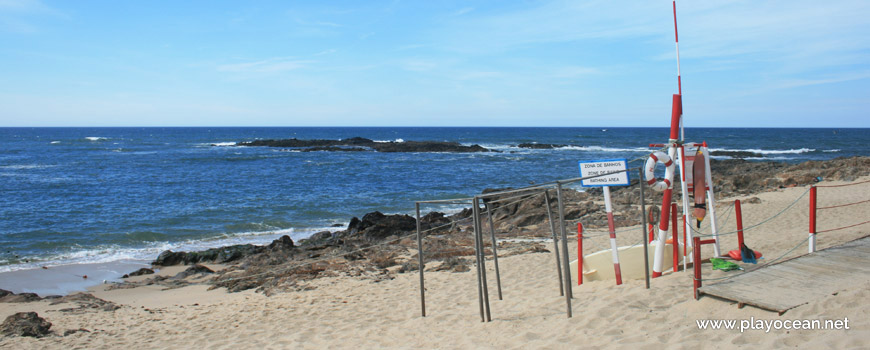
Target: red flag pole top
(677,105)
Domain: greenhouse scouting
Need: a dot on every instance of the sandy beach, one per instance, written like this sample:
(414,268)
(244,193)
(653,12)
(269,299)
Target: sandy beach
(349,312)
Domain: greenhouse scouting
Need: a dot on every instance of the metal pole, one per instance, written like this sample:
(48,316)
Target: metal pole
(566,266)
(478,233)
(555,242)
(420,264)
(494,249)
(477,256)
(643,229)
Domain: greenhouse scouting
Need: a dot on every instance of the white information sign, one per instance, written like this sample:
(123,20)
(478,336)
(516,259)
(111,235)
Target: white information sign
(604,166)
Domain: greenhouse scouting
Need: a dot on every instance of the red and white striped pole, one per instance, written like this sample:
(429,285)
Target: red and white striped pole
(579,253)
(612,227)
(738,213)
(674,240)
(812,238)
(679,79)
(676,123)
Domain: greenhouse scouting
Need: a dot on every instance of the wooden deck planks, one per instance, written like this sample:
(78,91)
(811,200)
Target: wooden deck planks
(791,283)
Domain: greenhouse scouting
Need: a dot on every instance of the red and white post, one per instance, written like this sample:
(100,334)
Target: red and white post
(738,213)
(812,238)
(612,228)
(674,240)
(579,253)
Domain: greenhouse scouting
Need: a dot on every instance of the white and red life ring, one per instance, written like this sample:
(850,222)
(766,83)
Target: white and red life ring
(650,167)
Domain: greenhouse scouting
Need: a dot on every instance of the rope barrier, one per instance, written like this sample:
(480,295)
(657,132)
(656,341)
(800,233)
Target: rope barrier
(699,234)
(758,267)
(843,185)
(842,205)
(843,228)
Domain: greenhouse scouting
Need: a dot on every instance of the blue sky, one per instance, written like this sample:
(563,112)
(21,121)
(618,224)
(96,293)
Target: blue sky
(433,63)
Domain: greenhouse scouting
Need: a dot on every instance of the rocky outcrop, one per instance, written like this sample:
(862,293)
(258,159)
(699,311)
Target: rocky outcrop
(139,272)
(215,255)
(377,226)
(25,324)
(356,144)
(9,297)
(334,149)
(193,270)
(540,145)
(737,154)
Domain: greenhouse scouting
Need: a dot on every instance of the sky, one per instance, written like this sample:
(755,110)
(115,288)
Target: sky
(793,63)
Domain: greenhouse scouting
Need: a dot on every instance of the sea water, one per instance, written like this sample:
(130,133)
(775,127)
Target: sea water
(97,195)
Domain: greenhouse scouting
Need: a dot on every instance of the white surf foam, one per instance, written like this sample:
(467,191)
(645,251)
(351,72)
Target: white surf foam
(149,252)
(96,138)
(224,144)
(766,151)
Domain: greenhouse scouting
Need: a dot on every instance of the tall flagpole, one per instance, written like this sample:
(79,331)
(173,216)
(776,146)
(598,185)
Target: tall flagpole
(679,80)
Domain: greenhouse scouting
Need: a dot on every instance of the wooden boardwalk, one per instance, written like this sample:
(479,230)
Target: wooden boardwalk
(791,283)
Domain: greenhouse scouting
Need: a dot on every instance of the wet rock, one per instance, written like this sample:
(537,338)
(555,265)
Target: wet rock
(342,145)
(435,221)
(140,272)
(335,149)
(737,154)
(25,324)
(217,255)
(169,258)
(377,226)
(285,242)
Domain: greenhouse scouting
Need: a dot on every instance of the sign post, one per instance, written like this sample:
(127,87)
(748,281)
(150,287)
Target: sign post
(608,172)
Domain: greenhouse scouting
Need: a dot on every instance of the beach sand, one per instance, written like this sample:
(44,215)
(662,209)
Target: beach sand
(348,312)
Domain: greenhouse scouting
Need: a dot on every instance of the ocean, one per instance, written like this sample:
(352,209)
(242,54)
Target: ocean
(101,195)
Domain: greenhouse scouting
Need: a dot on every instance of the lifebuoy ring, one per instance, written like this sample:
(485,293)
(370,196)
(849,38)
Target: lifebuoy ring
(650,167)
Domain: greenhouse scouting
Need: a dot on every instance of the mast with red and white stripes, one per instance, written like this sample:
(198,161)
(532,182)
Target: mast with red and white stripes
(674,144)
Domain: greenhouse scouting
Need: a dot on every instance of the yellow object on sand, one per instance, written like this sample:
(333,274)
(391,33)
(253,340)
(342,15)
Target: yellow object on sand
(599,265)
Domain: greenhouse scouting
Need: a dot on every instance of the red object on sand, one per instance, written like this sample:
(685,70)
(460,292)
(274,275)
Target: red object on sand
(738,213)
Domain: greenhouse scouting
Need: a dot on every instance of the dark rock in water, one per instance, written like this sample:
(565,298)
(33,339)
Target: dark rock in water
(427,146)
(377,226)
(169,258)
(435,221)
(285,242)
(318,238)
(25,324)
(193,270)
(19,298)
(140,272)
(217,255)
(334,149)
(355,144)
(540,145)
(737,154)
